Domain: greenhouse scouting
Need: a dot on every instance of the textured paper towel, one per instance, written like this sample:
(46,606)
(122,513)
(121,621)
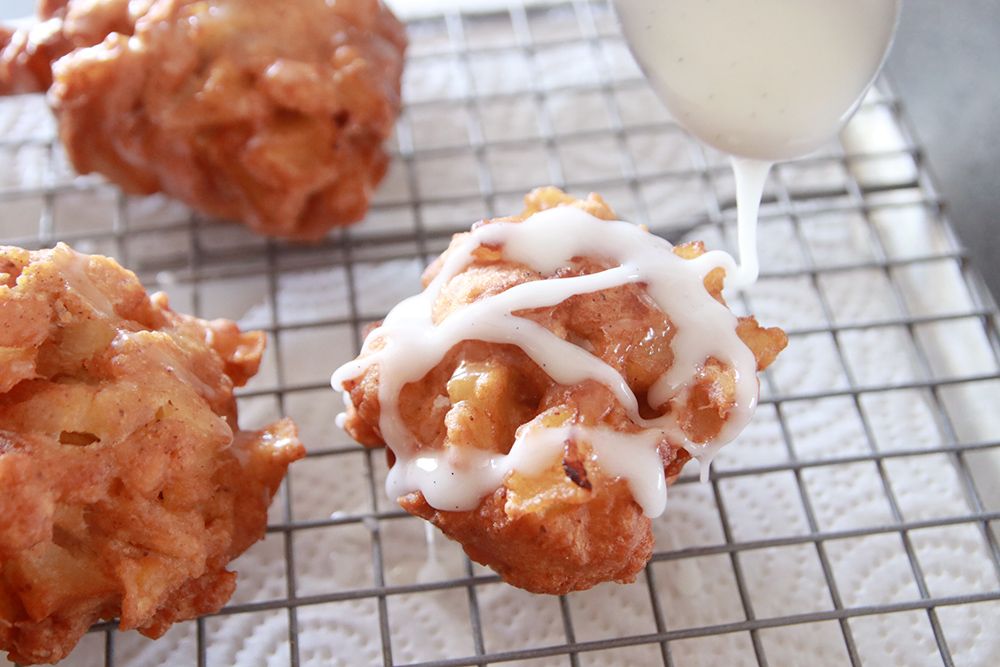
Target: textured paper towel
(692,592)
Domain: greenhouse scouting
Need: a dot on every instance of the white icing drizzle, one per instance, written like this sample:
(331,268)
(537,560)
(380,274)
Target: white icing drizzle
(458,477)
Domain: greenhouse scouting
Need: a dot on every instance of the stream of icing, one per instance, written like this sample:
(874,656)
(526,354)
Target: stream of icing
(750,176)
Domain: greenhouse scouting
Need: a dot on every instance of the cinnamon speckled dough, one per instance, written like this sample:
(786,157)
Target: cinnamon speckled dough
(271,113)
(126,486)
(573,526)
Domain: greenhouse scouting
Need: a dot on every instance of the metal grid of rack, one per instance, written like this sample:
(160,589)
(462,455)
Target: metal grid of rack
(504,97)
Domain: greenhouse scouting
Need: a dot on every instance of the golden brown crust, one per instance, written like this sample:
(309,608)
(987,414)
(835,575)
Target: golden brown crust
(571,526)
(606,539)
(127,485)
(271,113)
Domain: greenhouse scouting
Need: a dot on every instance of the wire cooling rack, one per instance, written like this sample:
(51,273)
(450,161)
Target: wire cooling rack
(862,269)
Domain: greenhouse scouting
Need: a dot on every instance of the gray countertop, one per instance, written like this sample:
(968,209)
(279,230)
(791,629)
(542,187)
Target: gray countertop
(946,67)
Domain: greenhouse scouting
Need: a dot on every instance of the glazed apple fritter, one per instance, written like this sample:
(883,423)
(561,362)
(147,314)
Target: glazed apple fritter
(270,113)
(574,525)
(126,486)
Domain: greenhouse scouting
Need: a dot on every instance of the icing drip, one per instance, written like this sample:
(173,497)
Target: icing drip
(432,569)
(751,176)
(457,478)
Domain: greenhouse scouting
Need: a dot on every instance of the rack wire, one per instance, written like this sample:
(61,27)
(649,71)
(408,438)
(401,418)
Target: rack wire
(498,102)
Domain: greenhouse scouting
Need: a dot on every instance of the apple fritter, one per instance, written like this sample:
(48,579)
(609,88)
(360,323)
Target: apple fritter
(126,486)
(269,113)
(570,523)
